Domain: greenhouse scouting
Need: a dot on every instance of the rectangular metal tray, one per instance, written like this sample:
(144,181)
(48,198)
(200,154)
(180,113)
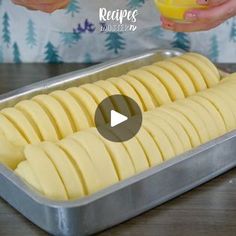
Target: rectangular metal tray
(125,199)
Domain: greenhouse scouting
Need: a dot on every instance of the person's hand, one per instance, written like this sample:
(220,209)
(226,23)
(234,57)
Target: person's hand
(217,12)
(48,6)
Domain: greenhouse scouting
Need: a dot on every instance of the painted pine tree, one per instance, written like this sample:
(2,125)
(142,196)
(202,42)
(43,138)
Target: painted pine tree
(16,53)
(157,32)
(73,7)
(88,58)
(1,55)
(69,38)
(214,48)
(233,31)
(5,29)
(31,34)
(134,4)
(115,42)
(181,40)
(51,54)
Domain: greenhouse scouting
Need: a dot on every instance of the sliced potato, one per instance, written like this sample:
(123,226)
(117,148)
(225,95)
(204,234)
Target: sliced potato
(176,126)
(77,114)
(204,115)
(180,75)
(136,153)
(99,95)
(149,146)
(119,155)
(161,140)
(39,120)
(127,90)
(141,90)
(99,156)
(56,114)
(11,133)
(46,173)
(85,168)
(25,171)
(194,74)
(10,154)
(22,124)
(84,99)
(222,107)
(156,88)
(186,124)
(193,117)
(213,112)
(209,76)
(173,88)
(66,170)
(121,105)
(167,129)
(207,62)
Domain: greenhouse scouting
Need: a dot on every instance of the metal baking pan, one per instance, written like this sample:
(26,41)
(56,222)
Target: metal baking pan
(127,198)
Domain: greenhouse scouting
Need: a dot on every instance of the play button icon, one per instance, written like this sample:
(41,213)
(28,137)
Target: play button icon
(118,118)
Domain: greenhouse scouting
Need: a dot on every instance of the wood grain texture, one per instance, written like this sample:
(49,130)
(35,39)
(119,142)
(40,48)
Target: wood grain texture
(209,210)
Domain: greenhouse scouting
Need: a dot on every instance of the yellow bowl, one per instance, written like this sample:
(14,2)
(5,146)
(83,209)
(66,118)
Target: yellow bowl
(175,9)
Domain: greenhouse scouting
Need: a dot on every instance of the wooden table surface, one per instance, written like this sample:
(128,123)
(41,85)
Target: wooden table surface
(209,210)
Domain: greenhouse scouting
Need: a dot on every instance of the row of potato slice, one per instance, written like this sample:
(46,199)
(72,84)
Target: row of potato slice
(54,116)
(84,162)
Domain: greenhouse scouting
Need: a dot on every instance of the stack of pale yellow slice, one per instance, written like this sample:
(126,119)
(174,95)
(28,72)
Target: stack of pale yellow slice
(52,142)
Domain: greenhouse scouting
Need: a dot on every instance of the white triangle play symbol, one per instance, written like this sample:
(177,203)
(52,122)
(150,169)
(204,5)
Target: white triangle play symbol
(117,118)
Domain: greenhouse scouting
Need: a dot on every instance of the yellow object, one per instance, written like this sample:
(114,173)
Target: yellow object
(213,112)
(127,90)
(207,62)
(66,170)
(56,114)
(120,105)
(85,168)
(176,126)
(141,90)
(10,132)
(209,76)
(175,9)
(119,155)
(193,73)
(99,95)
(46,173)
(186,124)
(169,132)
(10,154)
(180,75)
(136,153)
(210,123)
(194,118)
(22,124)
(84,99)
(149,146)
(39,119)
(77,114)
(173,88)
(229,78)
(161,139)
(99,156)
(222,107)
(227,99)
(156,88)
(25,171)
